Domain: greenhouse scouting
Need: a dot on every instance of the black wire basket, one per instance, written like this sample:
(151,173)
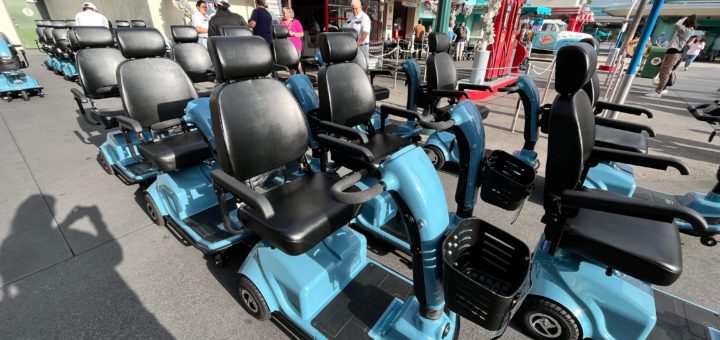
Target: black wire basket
(507,181)
(485,273)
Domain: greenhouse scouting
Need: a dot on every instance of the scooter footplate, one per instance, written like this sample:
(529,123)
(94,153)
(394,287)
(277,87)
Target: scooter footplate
(654,196)
(678,319)
(353,312)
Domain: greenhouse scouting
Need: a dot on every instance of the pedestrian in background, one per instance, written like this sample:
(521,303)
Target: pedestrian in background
(361,23)
(201,20)
(296,31)
(694,50)
(223,17)
(715,48)
(261,20)
(89,16)
(683,30)
(461,39)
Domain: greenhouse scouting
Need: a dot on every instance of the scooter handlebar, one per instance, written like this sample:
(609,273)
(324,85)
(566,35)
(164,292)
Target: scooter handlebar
(338,189)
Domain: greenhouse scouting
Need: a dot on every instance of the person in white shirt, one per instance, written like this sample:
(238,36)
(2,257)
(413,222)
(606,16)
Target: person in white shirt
(361,23)
(90,16)
(200,21)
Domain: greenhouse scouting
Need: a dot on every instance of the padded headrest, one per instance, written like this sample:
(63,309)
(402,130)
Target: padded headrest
(70,23)
(184,34)
(138,23)
(574,67)
(58,24)
(337,47)
(280,32)
(351,31)
(122,23)
(236,31)
(40,23)
(93,37)
(438,42)
(140,42)
(236,58)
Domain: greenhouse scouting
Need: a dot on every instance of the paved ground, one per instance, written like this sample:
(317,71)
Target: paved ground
(80,259)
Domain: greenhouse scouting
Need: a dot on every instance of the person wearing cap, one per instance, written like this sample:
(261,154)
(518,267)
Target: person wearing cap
(200,21)
(361,23)
(223,17)
(89,16)
(261,20)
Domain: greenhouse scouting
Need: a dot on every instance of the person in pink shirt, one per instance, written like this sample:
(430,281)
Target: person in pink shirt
(296,30)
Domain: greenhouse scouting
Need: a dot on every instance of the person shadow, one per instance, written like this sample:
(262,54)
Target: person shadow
(80,297)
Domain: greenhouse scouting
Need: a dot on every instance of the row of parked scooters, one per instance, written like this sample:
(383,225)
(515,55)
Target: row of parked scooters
(258,162)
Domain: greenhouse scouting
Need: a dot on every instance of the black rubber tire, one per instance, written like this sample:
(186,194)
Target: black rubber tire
(25,96)
(437,158)
(536,309)
(252,300)
(104,164)
(708,241)
(153,212)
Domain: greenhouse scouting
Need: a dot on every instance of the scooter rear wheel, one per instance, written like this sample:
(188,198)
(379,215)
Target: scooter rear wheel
(436,156)
(252,300)
(546,320)
(153,211)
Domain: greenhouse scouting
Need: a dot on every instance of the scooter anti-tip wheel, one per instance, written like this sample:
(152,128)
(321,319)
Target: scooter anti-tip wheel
(252,300)
(545,319)
(708,241)
(25,96)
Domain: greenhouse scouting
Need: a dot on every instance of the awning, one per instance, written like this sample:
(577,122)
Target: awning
(535,11)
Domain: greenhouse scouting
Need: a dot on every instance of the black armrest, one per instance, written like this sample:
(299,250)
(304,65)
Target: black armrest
(638,111)
(627,126)
(375,72)
(700,116)
(129,123)
(243,193)
(166,124)
(617,204)
(79,95)
(281,67)
(634,158)
(386,110)
(452,94)
(335,144)
(342,130)
(510,89)
(474,87)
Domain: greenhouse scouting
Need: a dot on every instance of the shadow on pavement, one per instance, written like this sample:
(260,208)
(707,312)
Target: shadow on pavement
(83,297)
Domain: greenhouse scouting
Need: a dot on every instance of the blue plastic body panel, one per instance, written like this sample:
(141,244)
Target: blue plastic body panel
(117,153)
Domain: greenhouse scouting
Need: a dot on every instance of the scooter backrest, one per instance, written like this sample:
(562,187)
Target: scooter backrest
(70,23)
(152,89)
(97,61)
(346,95)
(571,134)
(140,42)
(122,23)
(138,23)
(284,52)
(60,37)
(184,34)
(249,107)
(58,24)
(192,57)
(441,73)
(47,34)
(236,31)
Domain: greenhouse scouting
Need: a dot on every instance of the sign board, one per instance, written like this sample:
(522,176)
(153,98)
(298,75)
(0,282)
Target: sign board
(410,4)
(274,7)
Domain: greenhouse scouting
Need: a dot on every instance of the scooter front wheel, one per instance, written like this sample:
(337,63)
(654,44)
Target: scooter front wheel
(436,156)
(252,300)
(153,211)
(545,319)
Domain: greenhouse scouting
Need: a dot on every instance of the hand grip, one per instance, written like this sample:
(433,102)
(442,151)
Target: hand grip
(338,189)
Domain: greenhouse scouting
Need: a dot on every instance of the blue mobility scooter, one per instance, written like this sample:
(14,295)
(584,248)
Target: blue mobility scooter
(601,253)
(310,271)
(13,81)
(59,52)
(153,124)
(97,60)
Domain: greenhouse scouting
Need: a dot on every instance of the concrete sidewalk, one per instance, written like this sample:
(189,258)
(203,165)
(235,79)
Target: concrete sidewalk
(79,258)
